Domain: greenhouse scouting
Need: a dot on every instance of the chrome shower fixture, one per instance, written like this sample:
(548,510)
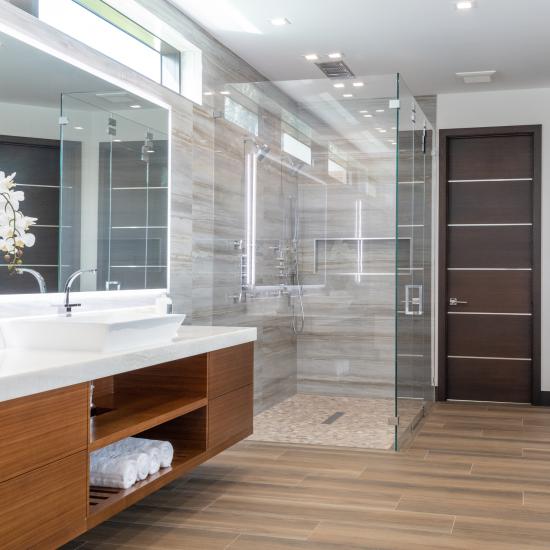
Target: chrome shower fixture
(148,147)
(262,151)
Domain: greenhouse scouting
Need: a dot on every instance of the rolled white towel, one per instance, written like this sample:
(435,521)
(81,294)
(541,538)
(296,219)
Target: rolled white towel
(166,453)
(154,458)
(165,448)
(112,471)
(143,463)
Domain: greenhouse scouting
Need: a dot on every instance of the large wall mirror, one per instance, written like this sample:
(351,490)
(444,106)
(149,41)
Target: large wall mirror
(91,164)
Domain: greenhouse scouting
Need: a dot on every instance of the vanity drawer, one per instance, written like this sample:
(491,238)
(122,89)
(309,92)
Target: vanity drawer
(46,507)
(230,415)
(42,428)
(230,369)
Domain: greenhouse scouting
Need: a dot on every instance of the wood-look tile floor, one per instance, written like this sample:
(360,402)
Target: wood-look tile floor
(476,477)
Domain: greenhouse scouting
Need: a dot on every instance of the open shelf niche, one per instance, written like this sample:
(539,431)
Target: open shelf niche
(166,402)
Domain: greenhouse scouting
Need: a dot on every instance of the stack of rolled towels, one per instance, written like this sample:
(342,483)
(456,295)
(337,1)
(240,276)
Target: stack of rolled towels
(126,462)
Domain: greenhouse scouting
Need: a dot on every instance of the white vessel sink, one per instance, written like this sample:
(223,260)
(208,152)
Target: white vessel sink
(100,331)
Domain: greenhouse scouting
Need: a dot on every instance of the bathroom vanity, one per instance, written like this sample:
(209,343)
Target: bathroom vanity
(196,392)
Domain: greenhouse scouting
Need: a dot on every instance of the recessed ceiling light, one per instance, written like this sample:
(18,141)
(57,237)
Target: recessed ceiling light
(311,56)
(136,106)
(208,93)
(358,84)
(279,21)
(339,85)
(335,55)
(363,111)
(225,92)
(117,140)
(367,116)
(464,5)
(382,131)
(379,110)
(79,127)
(394,127)
(347,95)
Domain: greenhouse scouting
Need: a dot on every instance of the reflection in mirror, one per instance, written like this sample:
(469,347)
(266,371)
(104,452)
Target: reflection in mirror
(91,164)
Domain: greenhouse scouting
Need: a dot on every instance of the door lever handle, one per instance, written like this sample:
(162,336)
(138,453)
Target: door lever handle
(456,302)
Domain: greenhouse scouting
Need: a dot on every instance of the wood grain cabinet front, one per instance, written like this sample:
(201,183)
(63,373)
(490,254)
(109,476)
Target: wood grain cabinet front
(42,428)
(45,508)
(230,417)
(230,369)
(201,404)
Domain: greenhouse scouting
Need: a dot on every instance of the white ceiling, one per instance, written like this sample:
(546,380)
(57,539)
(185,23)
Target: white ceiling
(427,41)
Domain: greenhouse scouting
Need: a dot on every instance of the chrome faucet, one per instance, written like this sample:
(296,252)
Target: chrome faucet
(68,285)
(39,279)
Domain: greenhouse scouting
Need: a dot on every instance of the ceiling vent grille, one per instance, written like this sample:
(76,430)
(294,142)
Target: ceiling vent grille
(335,69)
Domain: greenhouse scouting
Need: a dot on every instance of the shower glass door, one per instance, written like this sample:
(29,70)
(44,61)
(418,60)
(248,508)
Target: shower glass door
(413,387)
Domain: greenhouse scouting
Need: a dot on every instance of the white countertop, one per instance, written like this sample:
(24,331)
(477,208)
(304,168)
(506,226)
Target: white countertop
(26,372)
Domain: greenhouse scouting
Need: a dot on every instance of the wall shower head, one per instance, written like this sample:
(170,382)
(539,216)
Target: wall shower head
(262,151)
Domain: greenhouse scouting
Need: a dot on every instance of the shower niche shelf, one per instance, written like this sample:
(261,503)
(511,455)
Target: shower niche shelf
(360,255)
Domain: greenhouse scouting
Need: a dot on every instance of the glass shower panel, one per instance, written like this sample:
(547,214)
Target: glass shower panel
(304,247)
(413,316)
(114,196)
(78,233)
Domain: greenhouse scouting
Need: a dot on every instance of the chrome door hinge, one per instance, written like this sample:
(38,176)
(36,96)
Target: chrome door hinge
(63,121)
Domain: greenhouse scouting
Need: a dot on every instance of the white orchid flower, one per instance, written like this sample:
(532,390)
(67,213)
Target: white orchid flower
(14,225)
(28,239)
(29,222)
(6,183)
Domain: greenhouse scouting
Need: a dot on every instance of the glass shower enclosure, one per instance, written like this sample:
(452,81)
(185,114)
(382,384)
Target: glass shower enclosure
(321,238)
(114,191)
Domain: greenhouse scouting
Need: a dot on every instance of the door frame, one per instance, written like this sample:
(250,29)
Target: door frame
(538,397)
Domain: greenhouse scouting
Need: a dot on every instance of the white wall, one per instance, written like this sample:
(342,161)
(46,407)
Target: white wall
(28,121)
(511,108)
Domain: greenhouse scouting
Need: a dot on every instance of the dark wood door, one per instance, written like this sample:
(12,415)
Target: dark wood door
(36,162)
(491,238)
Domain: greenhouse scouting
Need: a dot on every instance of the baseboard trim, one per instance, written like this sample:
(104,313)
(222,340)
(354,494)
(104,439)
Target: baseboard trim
(543,399)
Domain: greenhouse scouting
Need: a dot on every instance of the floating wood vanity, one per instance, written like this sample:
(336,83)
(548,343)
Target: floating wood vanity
(202,404)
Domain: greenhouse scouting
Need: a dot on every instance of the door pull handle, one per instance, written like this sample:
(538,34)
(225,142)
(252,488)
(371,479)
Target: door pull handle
(456,302)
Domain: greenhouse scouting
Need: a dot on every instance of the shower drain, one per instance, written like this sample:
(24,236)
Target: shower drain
(333,417)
